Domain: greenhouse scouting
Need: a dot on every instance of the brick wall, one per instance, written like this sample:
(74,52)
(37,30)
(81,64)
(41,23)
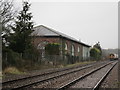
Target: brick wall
(62,41)
(75,44)
(37,40)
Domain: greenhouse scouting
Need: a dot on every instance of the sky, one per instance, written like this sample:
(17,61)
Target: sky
(89,21)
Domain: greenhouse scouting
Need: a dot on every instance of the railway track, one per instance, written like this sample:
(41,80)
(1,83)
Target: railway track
(91,79)
(41,73)
(29,81)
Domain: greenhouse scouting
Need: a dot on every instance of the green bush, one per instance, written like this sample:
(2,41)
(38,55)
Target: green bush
(95,53)
(52,49)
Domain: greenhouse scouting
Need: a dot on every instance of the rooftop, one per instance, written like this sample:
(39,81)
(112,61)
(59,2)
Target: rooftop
(42,30)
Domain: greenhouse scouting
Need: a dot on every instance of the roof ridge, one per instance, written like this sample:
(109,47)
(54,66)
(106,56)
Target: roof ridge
(61,34)
(57,32)
(51,29)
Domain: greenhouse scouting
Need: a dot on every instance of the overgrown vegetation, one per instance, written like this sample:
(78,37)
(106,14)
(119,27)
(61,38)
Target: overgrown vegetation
(17,49)
(96,51)
(52,49)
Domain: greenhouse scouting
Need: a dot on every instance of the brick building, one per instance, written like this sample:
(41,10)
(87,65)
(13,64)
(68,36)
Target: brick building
(43,35)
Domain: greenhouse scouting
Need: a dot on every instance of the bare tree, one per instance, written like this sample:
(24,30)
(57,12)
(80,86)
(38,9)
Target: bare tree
(7,14)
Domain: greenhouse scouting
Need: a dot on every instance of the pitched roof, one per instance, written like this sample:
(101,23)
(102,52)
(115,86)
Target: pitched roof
(45,31)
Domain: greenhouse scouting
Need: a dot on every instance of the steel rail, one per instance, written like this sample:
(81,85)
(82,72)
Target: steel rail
(46,73)
(80,78)
(96,87)
(32,83)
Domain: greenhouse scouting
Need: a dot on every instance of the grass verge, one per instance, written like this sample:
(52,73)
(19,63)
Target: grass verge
(12,70)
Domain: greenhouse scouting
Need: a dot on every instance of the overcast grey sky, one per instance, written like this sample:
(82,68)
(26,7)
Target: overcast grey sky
(88,21)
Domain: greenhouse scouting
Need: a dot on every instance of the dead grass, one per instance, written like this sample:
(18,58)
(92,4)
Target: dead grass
(79,63)
(12,70)
(43,67)
(27,68)
(1,76)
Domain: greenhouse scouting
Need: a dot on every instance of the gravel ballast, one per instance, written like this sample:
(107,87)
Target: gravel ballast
(111,80)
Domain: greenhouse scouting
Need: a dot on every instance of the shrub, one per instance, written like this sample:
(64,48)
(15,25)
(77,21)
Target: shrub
(52,49)
(95,53)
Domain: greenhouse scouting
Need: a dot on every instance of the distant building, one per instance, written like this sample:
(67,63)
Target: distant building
(43,35)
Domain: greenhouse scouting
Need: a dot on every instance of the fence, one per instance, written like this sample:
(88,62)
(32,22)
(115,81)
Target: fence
(26,59)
